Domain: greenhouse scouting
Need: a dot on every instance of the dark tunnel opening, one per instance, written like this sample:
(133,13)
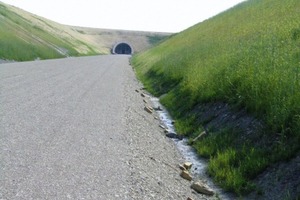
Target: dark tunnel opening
(122,48)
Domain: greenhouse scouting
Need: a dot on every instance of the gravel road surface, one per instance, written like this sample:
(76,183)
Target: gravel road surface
(75,129)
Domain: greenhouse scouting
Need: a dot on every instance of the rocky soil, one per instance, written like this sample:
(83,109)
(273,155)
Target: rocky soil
(279,181)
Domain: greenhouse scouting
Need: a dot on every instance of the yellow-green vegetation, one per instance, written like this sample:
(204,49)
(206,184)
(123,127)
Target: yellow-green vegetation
(249,57)
(21,40)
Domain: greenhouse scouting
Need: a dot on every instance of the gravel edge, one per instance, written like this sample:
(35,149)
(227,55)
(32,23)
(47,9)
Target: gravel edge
(154,164)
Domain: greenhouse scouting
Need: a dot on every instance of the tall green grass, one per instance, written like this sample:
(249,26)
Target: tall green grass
(248,56)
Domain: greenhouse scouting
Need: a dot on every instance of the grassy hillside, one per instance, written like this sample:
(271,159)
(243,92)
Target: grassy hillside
(22,38)
(25,36)
(249,57)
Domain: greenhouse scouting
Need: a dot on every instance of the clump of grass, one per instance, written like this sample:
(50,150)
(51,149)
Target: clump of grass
(248,56)
(233,165)
(217,142)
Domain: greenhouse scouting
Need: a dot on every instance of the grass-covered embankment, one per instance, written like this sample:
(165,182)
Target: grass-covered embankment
(249,57)
(22,39)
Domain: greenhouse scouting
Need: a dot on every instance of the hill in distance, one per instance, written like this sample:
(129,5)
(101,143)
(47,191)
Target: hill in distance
(25,36)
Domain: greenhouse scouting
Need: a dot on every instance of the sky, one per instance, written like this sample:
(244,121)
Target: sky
(140,15)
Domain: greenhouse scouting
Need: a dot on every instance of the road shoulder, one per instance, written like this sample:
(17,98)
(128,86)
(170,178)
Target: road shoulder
(155,158)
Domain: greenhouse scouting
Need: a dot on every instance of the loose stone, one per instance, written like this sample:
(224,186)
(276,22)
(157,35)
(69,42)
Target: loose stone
(158,108)
(174,136)
(188,165)
(171,135)
(161,126)
(202,188)
(148,109)
(186,175)
(182,167)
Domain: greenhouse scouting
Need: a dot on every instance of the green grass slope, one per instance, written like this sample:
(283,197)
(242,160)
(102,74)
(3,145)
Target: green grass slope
(22,38)
(249,57)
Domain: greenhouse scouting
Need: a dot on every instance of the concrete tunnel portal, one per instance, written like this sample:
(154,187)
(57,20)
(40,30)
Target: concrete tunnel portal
(122,48)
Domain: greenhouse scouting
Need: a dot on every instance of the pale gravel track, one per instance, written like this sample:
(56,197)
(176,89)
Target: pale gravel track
(75,129)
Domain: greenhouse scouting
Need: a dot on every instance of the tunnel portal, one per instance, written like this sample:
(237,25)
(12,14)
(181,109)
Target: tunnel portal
(122,48)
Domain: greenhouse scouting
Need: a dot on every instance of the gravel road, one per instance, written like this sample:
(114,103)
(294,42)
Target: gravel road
(75,129)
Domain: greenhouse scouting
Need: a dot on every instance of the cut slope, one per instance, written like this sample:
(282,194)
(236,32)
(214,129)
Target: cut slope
(248,57)
(25,36)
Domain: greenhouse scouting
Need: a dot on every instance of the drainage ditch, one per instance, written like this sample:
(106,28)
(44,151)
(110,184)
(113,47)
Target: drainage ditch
(199,164)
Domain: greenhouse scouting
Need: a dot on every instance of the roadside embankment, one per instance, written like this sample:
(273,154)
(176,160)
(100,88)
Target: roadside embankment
(236,78)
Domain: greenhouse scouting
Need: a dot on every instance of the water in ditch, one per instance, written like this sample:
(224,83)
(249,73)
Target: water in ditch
(199,164)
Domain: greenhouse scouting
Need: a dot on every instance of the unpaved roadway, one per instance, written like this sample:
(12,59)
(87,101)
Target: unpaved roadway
(75,129)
